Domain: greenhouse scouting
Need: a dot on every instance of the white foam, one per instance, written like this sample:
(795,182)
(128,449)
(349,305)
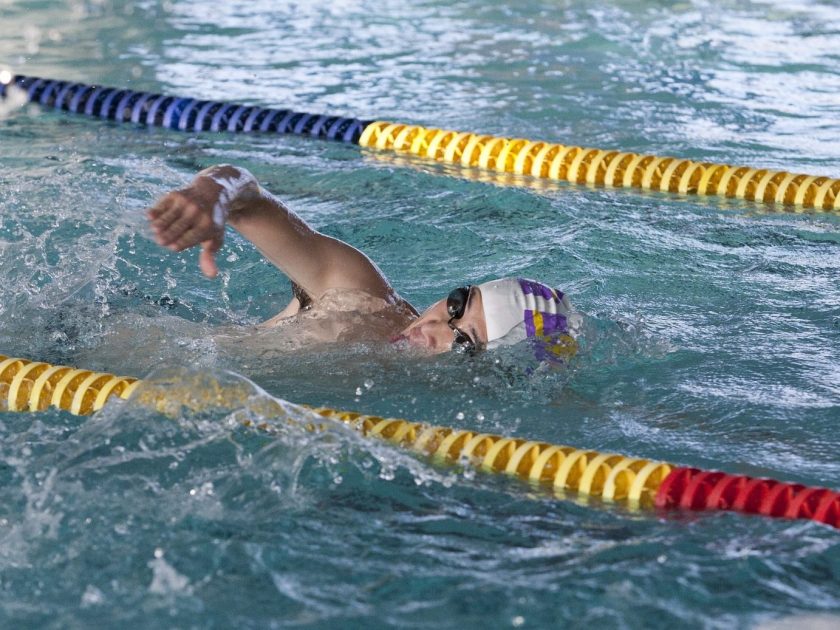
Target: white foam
(232,187)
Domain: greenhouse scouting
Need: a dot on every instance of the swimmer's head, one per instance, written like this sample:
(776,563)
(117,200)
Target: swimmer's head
(492,314)
(517,309)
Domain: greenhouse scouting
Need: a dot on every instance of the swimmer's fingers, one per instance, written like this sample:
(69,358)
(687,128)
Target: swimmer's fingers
(193,234)
(176,213)
(167,209)
(169,222)
(207,258)
(184,227)
(182,233)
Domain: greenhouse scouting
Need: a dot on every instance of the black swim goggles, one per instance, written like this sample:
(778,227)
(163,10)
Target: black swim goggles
(456,304)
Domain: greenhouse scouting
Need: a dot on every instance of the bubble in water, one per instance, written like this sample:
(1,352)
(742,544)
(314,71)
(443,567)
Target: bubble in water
(165,579)
(387,472)
(358,391)
(59,336)
(517,621)
(169,278)
(460,415)
(368,383)
(92,596)
(32,36)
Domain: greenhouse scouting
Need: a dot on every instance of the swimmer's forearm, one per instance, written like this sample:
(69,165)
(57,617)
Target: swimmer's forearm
(313,260)
(282,237)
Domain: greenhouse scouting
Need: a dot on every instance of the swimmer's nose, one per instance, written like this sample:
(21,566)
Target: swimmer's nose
(436,336)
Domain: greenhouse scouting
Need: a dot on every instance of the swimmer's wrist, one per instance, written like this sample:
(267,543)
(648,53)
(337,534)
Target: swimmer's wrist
(235,188)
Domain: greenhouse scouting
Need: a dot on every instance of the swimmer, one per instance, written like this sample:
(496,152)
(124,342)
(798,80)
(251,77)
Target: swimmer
(330,277)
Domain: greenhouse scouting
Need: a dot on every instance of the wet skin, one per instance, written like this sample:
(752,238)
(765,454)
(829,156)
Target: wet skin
(433,330)
(196,215)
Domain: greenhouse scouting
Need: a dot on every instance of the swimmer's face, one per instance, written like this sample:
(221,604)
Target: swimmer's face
(436,330)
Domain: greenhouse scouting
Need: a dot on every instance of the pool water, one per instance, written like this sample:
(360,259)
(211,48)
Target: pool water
(711,326)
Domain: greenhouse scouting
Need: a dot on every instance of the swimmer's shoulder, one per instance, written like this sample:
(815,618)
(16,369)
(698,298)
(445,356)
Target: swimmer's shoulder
(339,303)
(292,309)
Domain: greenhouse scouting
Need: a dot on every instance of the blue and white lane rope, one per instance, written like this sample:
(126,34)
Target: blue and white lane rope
(182,114)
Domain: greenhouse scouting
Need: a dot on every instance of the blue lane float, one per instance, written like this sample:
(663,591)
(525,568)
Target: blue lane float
(182,114)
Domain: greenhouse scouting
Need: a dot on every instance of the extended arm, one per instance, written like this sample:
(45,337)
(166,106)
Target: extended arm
(316,262)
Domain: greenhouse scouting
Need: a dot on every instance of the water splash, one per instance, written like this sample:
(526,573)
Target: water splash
(13,98)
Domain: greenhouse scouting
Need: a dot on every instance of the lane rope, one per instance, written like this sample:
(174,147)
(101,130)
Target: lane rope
(637,483)
(179,113)
(518,156)
(612,168)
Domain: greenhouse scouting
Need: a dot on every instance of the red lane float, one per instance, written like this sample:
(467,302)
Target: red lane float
(695,489)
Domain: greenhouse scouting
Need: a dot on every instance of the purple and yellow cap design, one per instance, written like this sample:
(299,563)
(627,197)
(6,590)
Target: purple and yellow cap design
(518,308)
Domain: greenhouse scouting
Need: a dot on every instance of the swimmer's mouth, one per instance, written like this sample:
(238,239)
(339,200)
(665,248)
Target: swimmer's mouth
(406,342)
(414,340)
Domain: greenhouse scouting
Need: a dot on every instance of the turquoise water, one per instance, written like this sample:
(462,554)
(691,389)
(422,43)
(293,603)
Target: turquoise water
(712,327)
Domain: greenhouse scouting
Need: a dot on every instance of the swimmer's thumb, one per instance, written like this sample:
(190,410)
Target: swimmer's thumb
(207,258)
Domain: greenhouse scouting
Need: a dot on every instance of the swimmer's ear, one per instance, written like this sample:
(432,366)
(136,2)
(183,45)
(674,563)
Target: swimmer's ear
(207,257)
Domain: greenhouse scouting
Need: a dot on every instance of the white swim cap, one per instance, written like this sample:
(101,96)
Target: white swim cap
(517,308)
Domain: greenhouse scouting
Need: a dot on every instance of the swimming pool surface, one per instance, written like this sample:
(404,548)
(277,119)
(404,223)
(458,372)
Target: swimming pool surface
(711,334)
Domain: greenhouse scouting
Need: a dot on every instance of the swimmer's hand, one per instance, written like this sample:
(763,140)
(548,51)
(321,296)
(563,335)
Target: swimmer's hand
(196,214)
